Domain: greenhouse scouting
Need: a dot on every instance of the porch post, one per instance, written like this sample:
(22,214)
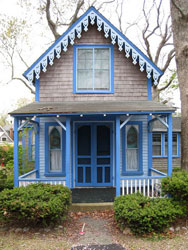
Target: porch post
(169,120)
(118,156)
(150,160)
(16,166)
(37,151)
(68,167)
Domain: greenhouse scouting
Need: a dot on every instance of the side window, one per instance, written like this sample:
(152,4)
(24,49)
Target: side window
(54,150)
(156,144)
(93,69)
(174,144)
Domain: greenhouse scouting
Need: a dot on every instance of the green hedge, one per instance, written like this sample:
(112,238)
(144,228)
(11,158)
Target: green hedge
(34,204)
(176,186)
(144,215)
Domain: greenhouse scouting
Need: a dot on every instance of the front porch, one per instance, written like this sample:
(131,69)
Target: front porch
(104,149)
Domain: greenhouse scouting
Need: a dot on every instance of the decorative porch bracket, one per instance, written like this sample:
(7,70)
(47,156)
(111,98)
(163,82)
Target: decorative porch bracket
(125,122)
(150,122)
(60,123)
(35,125)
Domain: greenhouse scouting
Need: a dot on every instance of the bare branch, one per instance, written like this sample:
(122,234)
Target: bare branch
(20,56)
(24,82)
(75,16)
(119,15)
(171,55)
(52,25)
(168,83)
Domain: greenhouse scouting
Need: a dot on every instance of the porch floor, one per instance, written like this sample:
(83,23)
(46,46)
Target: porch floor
(93,195)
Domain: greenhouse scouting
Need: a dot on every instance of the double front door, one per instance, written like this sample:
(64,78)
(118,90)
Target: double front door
(94,154)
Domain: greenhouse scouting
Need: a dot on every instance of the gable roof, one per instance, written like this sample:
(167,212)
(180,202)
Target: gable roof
(176,125)
(92,16)
(3,133)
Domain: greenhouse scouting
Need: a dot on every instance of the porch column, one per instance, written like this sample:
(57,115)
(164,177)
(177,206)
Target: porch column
(150,163)
(169,120)
(37,151)
(118,156)
(68,142)
(16,166)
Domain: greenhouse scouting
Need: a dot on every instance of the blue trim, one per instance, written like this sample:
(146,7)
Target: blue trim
(47,157)
(23,151)
(37,84)
(68,152)
(169,120)
(149,87)
(117,166)
(111,47)
(150,163)
(94,113)
(43,179)
(158,172)
(141,177)
(30,131)
(16,164)
(25,175)
(162,144)
(37,148)
(140,149)
(76,23)
(178,144)
(93,165)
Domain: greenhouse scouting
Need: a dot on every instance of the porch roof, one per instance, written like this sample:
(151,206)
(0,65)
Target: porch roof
(94,107)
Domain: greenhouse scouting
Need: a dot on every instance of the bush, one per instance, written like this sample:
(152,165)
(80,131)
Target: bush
(34,204)
(145,215)
(176,186)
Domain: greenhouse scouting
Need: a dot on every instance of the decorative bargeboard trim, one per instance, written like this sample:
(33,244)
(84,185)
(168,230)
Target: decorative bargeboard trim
(92,16)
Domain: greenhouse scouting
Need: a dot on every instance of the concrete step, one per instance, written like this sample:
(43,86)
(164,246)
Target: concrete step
(85,207)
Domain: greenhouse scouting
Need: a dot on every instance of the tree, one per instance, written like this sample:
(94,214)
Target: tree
(179,14)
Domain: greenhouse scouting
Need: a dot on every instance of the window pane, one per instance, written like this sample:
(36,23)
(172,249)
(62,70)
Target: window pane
(132,159)
(99,175)
(80,174)
(85,80)
(156,144)
(55,160)
(103,161)
(107,174)
(102,80)
(88,174)
(132,138)
(84,140)
(103,140)
(174,144)
(84,161)
(55,141)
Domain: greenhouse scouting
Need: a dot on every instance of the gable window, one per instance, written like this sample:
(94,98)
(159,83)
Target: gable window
(54,150)
(132,148)
(93,69)
(4,139)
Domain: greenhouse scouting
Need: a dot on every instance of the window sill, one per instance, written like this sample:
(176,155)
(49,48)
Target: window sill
(165,157)
(93,92)
(132,173)
(55,174)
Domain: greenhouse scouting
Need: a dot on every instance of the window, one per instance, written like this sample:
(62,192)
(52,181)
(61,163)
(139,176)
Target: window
(4,139)
(132,149)
(160,144)
(93,69)
(132,158)
(174,144)
(54,150)
(31,144)
(156,144)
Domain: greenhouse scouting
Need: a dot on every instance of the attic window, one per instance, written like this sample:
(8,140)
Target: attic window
(93,69)
(4,139)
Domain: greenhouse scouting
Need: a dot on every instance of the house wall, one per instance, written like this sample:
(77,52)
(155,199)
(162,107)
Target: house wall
(56,84)
(161,163)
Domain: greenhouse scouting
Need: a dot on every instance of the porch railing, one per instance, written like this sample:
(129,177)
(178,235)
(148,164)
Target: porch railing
(30,178)
(149,186)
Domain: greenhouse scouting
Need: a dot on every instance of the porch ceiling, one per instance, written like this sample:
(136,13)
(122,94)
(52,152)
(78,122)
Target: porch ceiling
(92,107)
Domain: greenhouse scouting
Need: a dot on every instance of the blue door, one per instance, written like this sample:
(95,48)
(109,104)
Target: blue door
(93,154)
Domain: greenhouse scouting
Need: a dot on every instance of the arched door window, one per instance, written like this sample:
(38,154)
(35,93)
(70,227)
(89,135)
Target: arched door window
(132,149)
(55,150)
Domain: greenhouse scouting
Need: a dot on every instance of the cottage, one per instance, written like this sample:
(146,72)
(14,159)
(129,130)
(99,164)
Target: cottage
(93,112)
(5,138)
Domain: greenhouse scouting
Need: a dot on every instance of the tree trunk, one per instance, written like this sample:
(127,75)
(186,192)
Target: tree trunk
(179,14)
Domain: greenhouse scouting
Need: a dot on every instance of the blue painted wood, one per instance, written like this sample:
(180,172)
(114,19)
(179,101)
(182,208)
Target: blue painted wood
(47,156)
(23,151)
(140,177)
(118,156)
(37,82)
(149,87)
(37,147)
(158,172)
(94,113)
(30,131)
(140,171)
(93,156)
(169,120)
(150,163)
(92,46)
(68,152)
(43,179)
(16,163)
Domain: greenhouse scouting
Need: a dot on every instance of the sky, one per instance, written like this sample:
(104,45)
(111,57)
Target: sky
(10,93)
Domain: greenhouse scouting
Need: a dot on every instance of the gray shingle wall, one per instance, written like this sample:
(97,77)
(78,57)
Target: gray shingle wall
(57,83)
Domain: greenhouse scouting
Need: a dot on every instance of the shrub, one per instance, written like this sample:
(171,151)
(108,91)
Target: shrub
(34,204)
(145,215)
(176,186)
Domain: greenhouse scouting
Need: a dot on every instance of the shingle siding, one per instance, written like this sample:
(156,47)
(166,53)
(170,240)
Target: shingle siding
(57,83)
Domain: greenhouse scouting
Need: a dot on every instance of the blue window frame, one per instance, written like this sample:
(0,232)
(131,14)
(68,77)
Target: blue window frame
(160,144)
(54,150)
(31,144)
(93,69)
(132,149)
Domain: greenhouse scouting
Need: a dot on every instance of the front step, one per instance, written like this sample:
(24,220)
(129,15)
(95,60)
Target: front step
(87,207)
(93,195)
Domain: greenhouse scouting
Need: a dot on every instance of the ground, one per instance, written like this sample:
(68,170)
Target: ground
(100,229)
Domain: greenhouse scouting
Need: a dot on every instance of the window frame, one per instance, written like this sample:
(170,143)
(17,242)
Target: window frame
(163,153)
(48,172)
(140,149)
(84,46)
